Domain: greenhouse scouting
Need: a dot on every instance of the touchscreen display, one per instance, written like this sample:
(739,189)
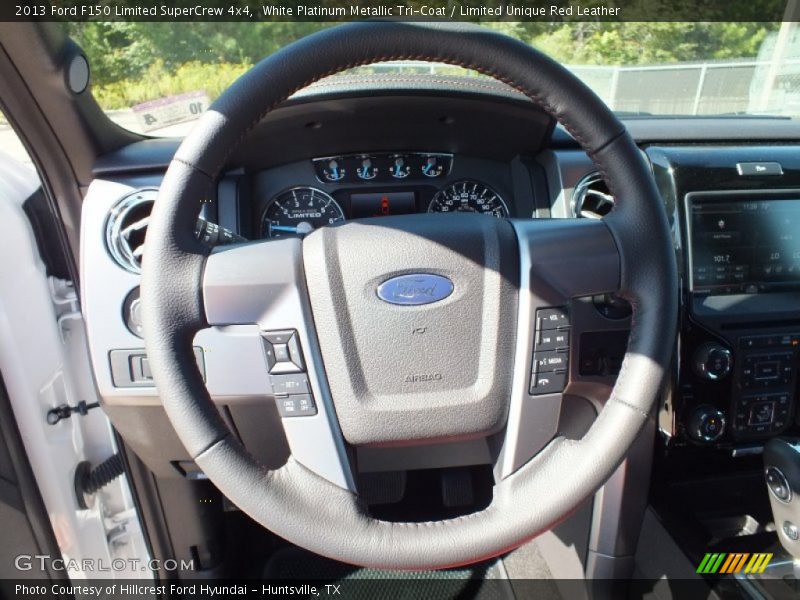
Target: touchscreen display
(745,245)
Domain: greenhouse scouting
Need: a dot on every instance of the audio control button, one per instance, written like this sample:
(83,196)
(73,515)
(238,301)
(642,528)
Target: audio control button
(712,361)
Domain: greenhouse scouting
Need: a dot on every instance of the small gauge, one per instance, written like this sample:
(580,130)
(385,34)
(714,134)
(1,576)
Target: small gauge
(298,212)
(433,166)
(367,169)
(333,171)
(400,168)
(469,196)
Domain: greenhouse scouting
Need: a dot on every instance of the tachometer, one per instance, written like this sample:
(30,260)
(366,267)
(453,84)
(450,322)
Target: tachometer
(298,212)
(469,196)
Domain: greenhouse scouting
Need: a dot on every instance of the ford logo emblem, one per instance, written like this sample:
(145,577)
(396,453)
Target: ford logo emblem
(415,289)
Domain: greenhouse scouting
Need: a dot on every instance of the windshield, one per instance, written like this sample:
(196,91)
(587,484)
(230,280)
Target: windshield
(157,78)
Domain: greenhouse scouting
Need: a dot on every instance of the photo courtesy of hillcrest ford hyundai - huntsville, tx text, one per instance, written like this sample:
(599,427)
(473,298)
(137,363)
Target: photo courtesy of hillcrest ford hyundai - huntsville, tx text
(400,299)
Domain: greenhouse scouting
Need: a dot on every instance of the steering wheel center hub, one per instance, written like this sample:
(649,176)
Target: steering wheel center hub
(435,367)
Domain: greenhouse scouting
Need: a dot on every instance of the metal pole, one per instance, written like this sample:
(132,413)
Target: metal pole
(699,94)
(790,16)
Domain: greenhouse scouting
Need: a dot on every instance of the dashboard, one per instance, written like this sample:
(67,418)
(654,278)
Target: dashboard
(732,194)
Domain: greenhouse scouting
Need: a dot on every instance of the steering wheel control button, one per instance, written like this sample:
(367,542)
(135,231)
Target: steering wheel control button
(301,405)
(777,484)
(552,339)
(790,531)
(290,385)
(278,337)
(550,364)
(287,385)
(551,382)
(549,361)
(551,318)
(283,352)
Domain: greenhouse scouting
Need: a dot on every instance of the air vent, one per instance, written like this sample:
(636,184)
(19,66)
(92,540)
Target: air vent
(126,227)
(591,199)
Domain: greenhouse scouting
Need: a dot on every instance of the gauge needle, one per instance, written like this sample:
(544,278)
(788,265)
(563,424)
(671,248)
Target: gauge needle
(302,228)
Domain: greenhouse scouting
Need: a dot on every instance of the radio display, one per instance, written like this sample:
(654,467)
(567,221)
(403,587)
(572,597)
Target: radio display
(742,245)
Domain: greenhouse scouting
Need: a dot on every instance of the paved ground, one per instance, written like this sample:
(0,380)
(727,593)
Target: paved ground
(10,144)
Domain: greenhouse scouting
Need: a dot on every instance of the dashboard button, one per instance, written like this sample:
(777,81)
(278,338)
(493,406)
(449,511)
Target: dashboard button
(767,370)
(756,169)
(712,361)
(777,484)
(761,413)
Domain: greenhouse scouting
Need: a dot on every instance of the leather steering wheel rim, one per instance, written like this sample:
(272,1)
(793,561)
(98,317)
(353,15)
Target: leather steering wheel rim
(294,502)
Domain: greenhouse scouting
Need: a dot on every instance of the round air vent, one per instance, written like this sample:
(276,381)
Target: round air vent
(126,227)
(591,199)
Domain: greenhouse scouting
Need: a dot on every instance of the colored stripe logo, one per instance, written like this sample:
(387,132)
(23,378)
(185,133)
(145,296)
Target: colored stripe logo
(734,562)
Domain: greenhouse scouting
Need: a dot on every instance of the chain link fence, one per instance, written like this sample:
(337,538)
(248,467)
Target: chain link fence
(698,88)
(708,88)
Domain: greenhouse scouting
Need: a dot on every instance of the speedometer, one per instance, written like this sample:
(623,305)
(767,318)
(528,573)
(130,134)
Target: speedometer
(299,211)
(469,196)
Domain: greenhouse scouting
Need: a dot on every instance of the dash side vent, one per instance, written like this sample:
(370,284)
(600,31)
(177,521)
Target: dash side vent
(591,198)
(126,227)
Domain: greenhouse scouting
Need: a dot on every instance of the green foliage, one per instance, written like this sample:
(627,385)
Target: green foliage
(597,43)
(159,81)
(138,61)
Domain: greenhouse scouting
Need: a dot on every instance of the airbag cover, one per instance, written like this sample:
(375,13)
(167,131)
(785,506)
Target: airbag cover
(438,367)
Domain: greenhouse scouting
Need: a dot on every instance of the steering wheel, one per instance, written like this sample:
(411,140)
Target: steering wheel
(443,354)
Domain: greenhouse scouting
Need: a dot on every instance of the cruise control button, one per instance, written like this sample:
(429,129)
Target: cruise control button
(549,361)
(548,383)
(296,406)
(290,384)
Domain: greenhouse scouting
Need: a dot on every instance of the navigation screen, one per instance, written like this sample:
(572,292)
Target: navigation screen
(745,246)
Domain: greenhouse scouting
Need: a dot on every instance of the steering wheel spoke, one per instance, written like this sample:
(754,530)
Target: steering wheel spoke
(262,284)
(560,260)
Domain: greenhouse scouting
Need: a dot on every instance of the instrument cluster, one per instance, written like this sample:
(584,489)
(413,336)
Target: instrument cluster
(377,185)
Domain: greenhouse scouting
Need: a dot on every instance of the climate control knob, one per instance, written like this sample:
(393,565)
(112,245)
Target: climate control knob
(712,361)
(707,424)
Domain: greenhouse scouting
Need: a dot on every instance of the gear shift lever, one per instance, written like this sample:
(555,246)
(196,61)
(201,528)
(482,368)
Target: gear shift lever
(782,472)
